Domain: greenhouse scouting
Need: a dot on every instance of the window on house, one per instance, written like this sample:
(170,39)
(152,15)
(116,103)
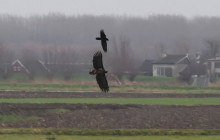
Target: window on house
(161,71)
(16,68)
(168,72)
(217,75)
(217,64)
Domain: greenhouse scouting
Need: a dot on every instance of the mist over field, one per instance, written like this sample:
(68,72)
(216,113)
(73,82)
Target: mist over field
(58,38)
(46,60)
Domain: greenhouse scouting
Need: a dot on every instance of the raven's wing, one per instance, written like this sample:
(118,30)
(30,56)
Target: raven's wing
(104,45)
(97,61)
(98,38)
(102,82)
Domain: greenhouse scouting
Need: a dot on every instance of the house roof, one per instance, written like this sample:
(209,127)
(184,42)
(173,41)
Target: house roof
(195,69)
(147,65)
(48,70)
(173,59)
(217,58)
(19,62)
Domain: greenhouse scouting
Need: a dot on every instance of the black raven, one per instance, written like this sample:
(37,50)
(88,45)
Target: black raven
(100,72)
(103,40)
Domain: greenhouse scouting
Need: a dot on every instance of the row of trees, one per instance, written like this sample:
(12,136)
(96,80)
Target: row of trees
(57,38)
(176,33)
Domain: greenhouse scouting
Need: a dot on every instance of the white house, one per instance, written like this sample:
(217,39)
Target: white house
(214,67)
(170,65)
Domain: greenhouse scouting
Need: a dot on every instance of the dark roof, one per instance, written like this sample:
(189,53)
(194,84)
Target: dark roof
(198,69)
(173,59)
(19,62)
(147,65)
(195,69)
(33,66)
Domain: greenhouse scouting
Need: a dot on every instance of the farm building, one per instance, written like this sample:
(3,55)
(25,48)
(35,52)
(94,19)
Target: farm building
(147,67)
(18,67)
(214,67)
(37,67)
(31,68)
(196,74)
(170,65)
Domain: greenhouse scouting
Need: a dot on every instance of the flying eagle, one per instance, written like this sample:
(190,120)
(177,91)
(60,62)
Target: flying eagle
(103,40)
(100,72)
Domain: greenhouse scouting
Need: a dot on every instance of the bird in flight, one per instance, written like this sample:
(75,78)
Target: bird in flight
(100,72)
(103,40)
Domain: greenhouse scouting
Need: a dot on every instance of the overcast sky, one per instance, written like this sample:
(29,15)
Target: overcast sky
(142,8)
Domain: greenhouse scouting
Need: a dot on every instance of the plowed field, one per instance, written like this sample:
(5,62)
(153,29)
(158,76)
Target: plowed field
(110,116)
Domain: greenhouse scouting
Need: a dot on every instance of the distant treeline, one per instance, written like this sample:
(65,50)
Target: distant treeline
(67,39)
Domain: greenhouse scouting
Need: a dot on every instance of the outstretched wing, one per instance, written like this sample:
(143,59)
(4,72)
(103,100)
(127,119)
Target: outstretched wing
(97,61)
(102,82)
(104,45)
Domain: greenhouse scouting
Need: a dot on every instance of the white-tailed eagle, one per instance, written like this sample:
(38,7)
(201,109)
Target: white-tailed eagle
(100,72)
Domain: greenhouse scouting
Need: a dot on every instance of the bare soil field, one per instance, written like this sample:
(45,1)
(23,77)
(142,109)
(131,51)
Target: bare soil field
(110,116)
(23,94)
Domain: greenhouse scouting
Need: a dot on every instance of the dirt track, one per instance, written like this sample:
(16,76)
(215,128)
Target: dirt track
(20,94)
(110,116)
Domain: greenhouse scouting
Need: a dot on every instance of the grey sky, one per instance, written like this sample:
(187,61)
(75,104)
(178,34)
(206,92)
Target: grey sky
(143,8)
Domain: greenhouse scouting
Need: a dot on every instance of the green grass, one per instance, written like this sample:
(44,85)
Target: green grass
(109,134)
(163,89)
(85,82)
(83,77)
(141,78)
(45,137)
(19,77)
(44,87)
(150,101)
(142,88)
(16,118)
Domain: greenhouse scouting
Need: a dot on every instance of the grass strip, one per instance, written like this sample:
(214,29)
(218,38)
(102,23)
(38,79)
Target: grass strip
(69,137)
(111,132)
(17,118)
(149,101)
(142,88)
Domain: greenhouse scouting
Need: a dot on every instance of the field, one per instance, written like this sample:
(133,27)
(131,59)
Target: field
(109,116)
(66,137)
(92,87)
(109,110)
(115,111)
(136,110)
(87,83)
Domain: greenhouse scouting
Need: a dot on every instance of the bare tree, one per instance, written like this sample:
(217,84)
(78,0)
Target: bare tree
(29,58)
(122,61)
(6,57)
(177,33)
(116,62)
(67,59)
